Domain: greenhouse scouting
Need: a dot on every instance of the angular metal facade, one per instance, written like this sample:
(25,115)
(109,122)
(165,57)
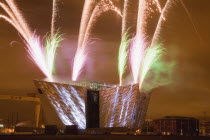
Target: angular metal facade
(123,106)
(67,100)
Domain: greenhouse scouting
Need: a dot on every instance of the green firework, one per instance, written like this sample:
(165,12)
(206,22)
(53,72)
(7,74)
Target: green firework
(151,56)
(51,44)
(123,55)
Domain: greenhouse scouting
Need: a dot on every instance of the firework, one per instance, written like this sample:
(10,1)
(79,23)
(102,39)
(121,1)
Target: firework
(141,19)
(101,7)
(87,10)
(79,62)
(144,12)
(139,44)
(158,5)
(19,17)
(137,51)
(54,17)
(191,20)
(32,41)
(11,19)
(42,57)
(160,22)
(151,56)
(140,59)
(129,18)
(50,48)
(128,104)
(92,10)
(90,16)
(123,54)
(37,55)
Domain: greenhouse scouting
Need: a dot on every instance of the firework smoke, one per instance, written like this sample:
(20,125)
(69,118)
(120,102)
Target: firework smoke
(160,74)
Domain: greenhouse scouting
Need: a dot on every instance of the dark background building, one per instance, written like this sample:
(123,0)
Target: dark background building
(176,125)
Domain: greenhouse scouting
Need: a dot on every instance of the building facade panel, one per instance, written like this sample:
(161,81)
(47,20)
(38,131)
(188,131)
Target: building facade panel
(122,106)
(67,100)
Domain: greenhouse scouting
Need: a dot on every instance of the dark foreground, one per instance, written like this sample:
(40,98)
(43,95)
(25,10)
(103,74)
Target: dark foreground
(97,137)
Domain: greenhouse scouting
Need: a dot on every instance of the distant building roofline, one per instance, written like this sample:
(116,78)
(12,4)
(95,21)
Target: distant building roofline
(176,117)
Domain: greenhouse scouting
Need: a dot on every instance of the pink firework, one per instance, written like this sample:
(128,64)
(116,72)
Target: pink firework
(79,62)
(34,46)
(137,51)
(92,10)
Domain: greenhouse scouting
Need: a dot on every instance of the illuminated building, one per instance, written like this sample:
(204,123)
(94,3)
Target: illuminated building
(123,106)
(94,104)
(67,100)
(176,125)
(91,85)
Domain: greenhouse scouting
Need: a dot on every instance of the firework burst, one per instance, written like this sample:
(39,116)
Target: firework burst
(79,62)
(152,54)
(37,54)
(32,41)
(52,43)
(92,10)
(138,47)
(42,57)
(123,55)
(141,57)
(54,17)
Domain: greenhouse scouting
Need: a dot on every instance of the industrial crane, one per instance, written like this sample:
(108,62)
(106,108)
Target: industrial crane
(25,98)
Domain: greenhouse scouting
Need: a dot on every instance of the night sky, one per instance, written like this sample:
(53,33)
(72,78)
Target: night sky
(187,95)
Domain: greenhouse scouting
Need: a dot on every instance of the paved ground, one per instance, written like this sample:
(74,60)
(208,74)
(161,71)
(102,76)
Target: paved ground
(98,137)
